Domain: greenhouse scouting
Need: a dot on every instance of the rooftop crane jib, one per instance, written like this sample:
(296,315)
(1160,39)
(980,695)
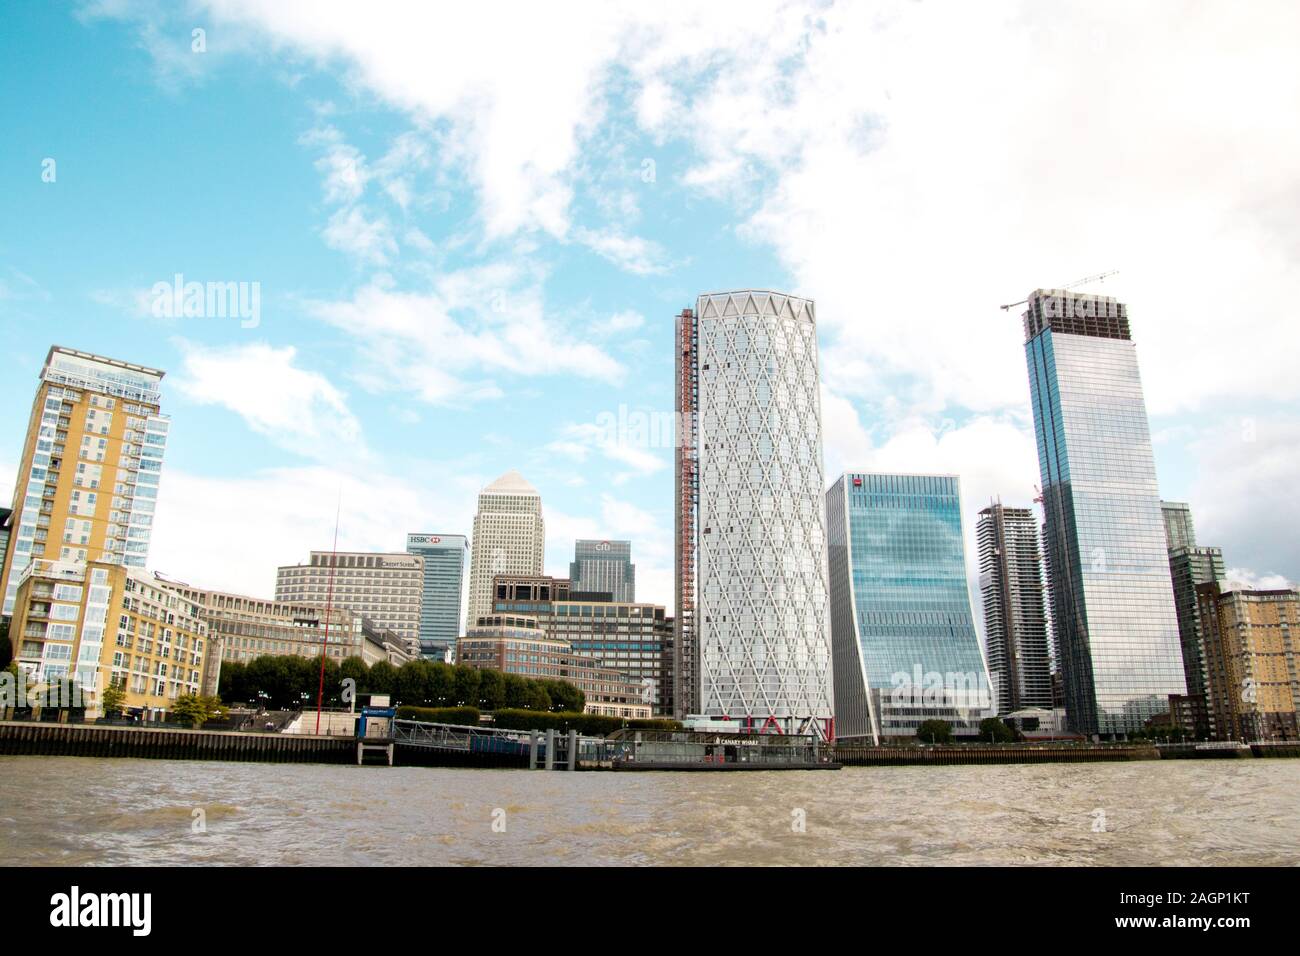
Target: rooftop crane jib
(1101,276)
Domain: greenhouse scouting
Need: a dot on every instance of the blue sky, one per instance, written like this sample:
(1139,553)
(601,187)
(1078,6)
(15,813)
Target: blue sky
(469,242)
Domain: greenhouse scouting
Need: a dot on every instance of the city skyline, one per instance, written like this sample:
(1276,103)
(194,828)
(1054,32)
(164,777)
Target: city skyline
(555,275)
(763,435)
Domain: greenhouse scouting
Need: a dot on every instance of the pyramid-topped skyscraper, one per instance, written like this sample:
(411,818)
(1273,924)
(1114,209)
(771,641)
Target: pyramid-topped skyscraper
(509,538)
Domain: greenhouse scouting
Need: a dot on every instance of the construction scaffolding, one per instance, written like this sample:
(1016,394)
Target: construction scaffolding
(686,662)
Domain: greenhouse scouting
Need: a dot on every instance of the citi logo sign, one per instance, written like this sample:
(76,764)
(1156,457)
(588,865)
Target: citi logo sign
(76,909)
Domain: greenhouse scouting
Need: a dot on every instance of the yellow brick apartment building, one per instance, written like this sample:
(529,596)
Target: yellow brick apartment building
(99,623)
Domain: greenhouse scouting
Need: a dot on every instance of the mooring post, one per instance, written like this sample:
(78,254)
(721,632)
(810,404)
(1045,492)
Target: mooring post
(532,750)
(550,748)
(573,750)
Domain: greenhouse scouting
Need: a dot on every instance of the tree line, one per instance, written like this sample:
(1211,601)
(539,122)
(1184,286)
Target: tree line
(290,683)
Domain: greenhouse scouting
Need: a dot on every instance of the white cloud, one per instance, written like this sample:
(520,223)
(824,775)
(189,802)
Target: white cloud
(1243,499)
(487,319)
(19,287)
(1245,578)
(619,323)
(134,302)
(232,534)
(931,161)
(517,89)
(343,169)
(368,239)
(298,409)
(631,447)
(632,254)
(896,157)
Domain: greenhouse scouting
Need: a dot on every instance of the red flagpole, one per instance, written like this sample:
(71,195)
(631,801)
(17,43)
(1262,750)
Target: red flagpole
(329,603)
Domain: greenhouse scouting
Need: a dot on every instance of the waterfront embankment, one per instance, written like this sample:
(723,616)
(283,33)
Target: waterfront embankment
(24,738)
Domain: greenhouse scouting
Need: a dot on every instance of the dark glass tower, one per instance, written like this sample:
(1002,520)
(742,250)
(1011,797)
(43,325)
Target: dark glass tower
(444,575)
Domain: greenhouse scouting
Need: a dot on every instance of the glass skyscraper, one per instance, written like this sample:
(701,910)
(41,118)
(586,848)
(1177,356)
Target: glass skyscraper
(603,567)
(444,573)
(1111,589)
(902,631)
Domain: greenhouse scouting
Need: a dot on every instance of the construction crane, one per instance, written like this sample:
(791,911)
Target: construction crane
(1101,276)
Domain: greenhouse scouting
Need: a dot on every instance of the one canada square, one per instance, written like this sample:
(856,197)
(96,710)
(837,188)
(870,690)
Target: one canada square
(752,626)
(1112,597)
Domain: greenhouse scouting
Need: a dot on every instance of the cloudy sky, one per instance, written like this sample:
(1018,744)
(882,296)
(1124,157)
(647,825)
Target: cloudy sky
(471,224)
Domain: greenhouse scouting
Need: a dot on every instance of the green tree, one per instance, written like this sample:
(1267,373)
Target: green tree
(269,681)
(517,696)
(354,668)
(381,678)
(414,684)
(491,690)
(466,682)
(536,696)
(233,685)
(935,732)
(442,684)
(994,731)
(304,681)
(565,696)
(196,710)
(112,699)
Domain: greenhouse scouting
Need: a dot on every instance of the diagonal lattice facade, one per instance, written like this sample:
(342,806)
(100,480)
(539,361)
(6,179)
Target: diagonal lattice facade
(763,607)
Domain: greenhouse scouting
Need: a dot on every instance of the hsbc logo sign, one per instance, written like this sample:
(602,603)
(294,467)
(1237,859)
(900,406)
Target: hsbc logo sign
(422,539)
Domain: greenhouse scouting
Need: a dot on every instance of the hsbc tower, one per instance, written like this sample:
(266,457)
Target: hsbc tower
(440,598)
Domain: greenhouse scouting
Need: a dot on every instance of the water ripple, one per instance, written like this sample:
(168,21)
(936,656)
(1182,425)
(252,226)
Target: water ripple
(83,811)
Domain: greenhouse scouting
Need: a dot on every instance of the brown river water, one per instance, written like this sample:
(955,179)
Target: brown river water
(77,811)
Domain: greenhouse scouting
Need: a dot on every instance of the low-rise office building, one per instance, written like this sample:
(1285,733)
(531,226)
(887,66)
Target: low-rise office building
(241,628)
(388,588)
(634,639)
(517,644)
